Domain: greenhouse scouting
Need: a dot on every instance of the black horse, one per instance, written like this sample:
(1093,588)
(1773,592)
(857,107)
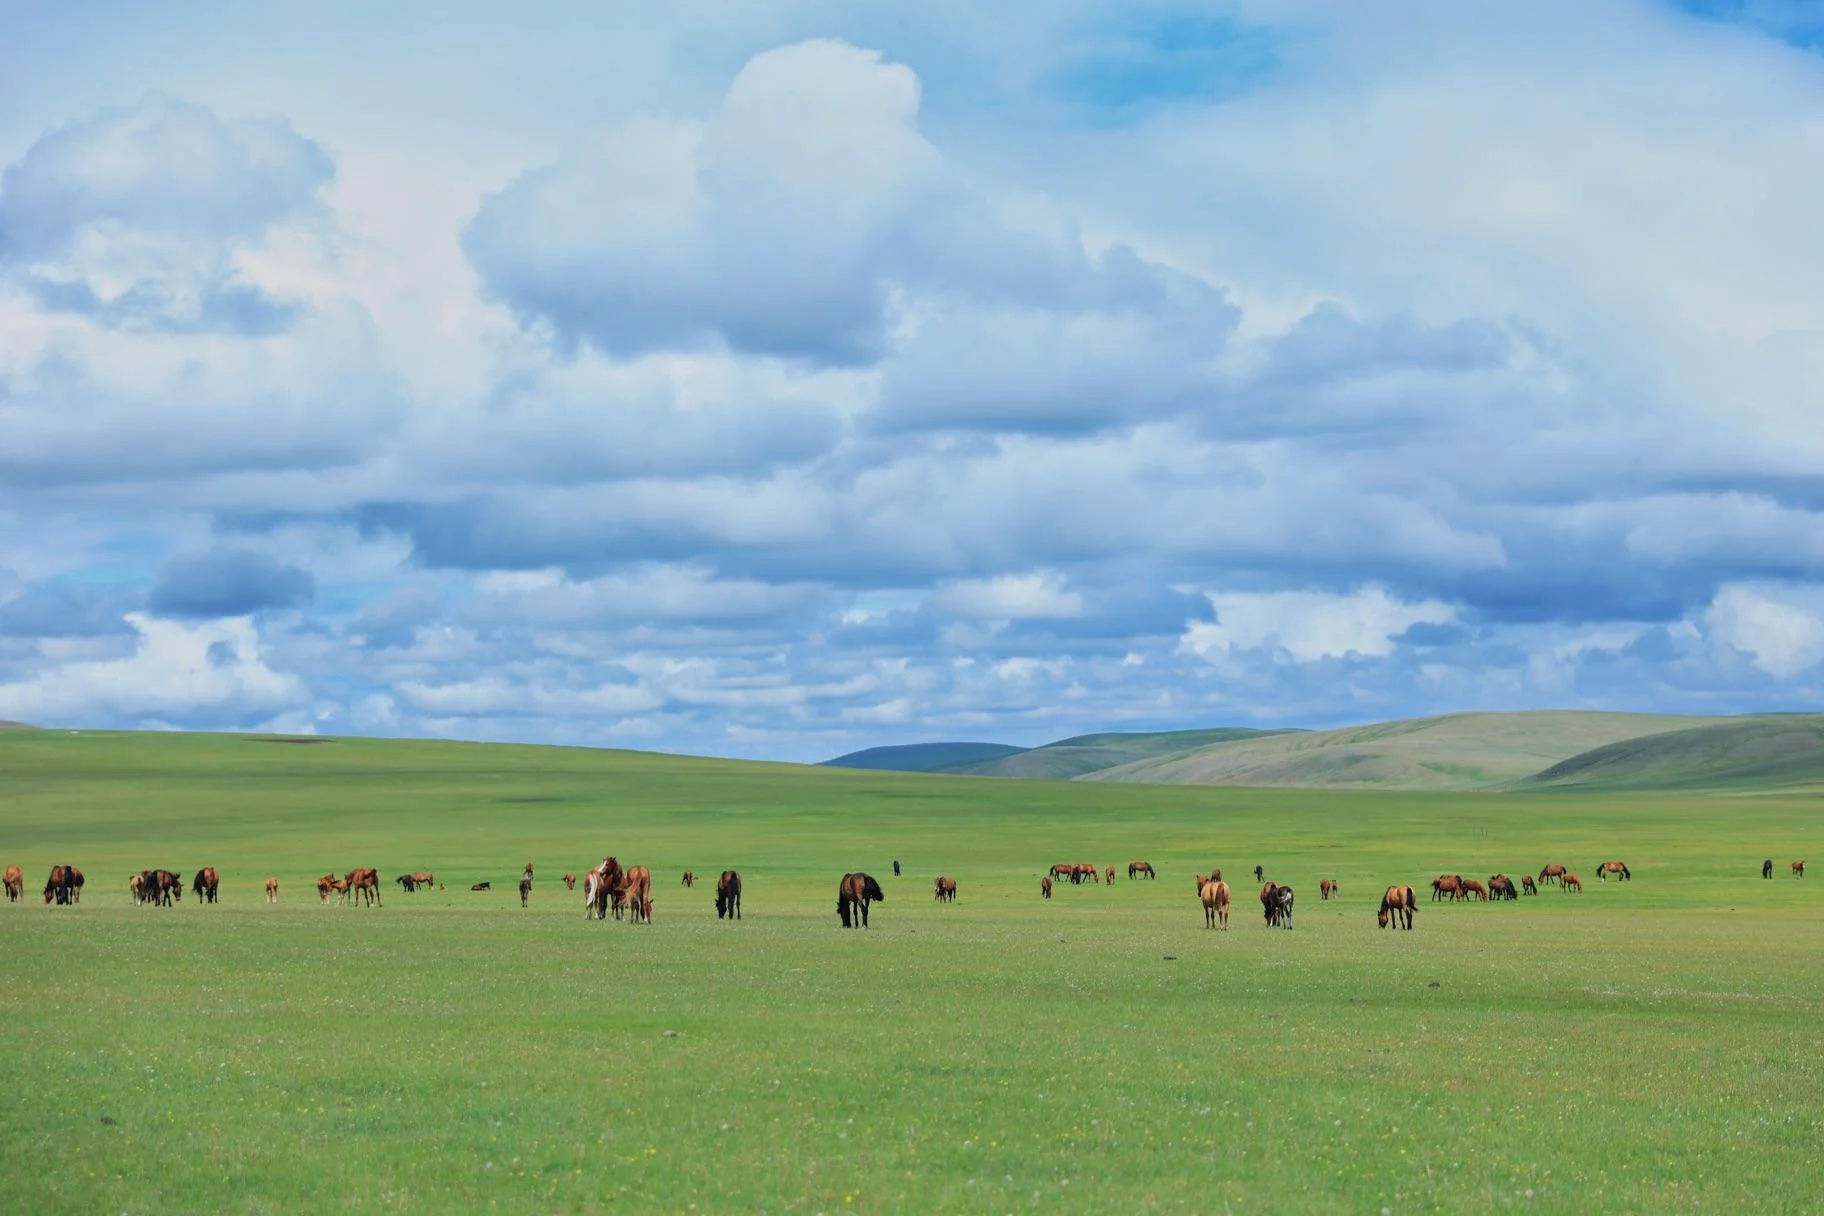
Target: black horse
(853,897)
(1258,874)
(1767,868)
(728,896)
(896,868)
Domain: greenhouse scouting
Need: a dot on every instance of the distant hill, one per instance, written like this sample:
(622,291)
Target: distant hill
(1070,758)
(1774,751)
(922,757)
(1456,751)
(17,726)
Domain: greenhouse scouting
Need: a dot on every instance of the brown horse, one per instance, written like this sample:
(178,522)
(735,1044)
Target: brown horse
(1570,882)
(1798,869)
(639,894)
(205,884)
(1474,890)
(1500,886)
(728,895)
(272,890)
(364,885)
(570,882)
(1111,876)
(525,890)
(1062,870)
(1397,907)
(1328,887)
(599,886)
(690,878)
(1214,894)
(325,885)
(1137,868)
(853,895)
(1612,867)
(1526,884)
(1446,886)
(1045,886)
(944,890)
(15,884)
(1552,874)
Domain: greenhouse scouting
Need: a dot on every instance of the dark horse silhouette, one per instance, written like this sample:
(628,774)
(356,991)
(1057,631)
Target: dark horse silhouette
(896,869)
(1767,868)
(853,897)
(728,896)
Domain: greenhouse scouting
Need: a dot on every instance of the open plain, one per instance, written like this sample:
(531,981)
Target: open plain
(1645,1045)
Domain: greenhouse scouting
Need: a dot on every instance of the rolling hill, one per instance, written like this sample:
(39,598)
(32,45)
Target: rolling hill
(1456,751)
(1079,755)
(923,757)
(1770,752)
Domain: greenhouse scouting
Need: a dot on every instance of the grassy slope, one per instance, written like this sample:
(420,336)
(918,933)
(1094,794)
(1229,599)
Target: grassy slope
(923,757)
(1457,751)
(1073,757)
(1645,1046)
(1761,753)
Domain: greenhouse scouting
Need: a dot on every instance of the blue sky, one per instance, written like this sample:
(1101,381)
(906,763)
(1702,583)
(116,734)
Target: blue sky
(783,378)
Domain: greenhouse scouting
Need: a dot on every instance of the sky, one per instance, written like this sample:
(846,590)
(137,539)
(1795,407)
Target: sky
(781,378)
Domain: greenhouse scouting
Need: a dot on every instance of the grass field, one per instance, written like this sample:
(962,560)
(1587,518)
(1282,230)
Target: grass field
(1650,1045)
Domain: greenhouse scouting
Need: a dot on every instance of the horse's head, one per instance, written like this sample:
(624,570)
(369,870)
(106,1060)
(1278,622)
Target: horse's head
(1382,916)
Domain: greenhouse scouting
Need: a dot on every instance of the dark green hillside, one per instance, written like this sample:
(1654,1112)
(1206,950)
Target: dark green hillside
(1752,753)
(922,757)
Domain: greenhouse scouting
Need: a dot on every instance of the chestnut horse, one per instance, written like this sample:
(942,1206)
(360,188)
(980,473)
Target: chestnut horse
(1570,882)
(1397,907)
(728,896)
(1612,867)
(15,884)
(1526,884)
(1798,869)
(570,882)
(1045,886)
(364,884)
(1215,896)
(1111,876)
(1328,887)
(944,890)
(690,878)
(853,895)
(639,895)
(205,884)
(1474,890)
(1137,868)
(599,885)
(1446,885)
(1500,886)
(272,890)
(525,890)
(1552,874)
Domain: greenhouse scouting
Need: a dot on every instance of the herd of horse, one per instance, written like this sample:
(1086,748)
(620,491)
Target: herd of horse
(610,889)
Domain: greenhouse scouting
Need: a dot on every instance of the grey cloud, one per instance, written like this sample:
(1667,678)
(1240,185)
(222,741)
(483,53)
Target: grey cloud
(52,611)
(232,583)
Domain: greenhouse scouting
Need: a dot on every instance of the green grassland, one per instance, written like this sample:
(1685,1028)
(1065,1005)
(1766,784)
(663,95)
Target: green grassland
(1648,1045)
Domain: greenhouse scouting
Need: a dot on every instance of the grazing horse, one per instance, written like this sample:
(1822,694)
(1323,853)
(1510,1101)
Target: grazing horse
(690,878)
(272,890)
(15,884)
(1474,890)
(1397,907)
(1135,868)
(1259,874)
(325,885)
(1500,886)
(57,886)
(1045,886)
(407,883)
(1552,874)
(1526,884)
(944,890)
(363,884)
(1276,905)
(160,887)
(1446,885)
(1570,882)
(1767,868)
(422,878)
(728,896)
(1062,870)
(1612,867)
(1328,887)
(1214,895)
(1111,876)
(525,890)
(1798,869)
(853,895)
(136,887)
(569,882)
(205,884)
